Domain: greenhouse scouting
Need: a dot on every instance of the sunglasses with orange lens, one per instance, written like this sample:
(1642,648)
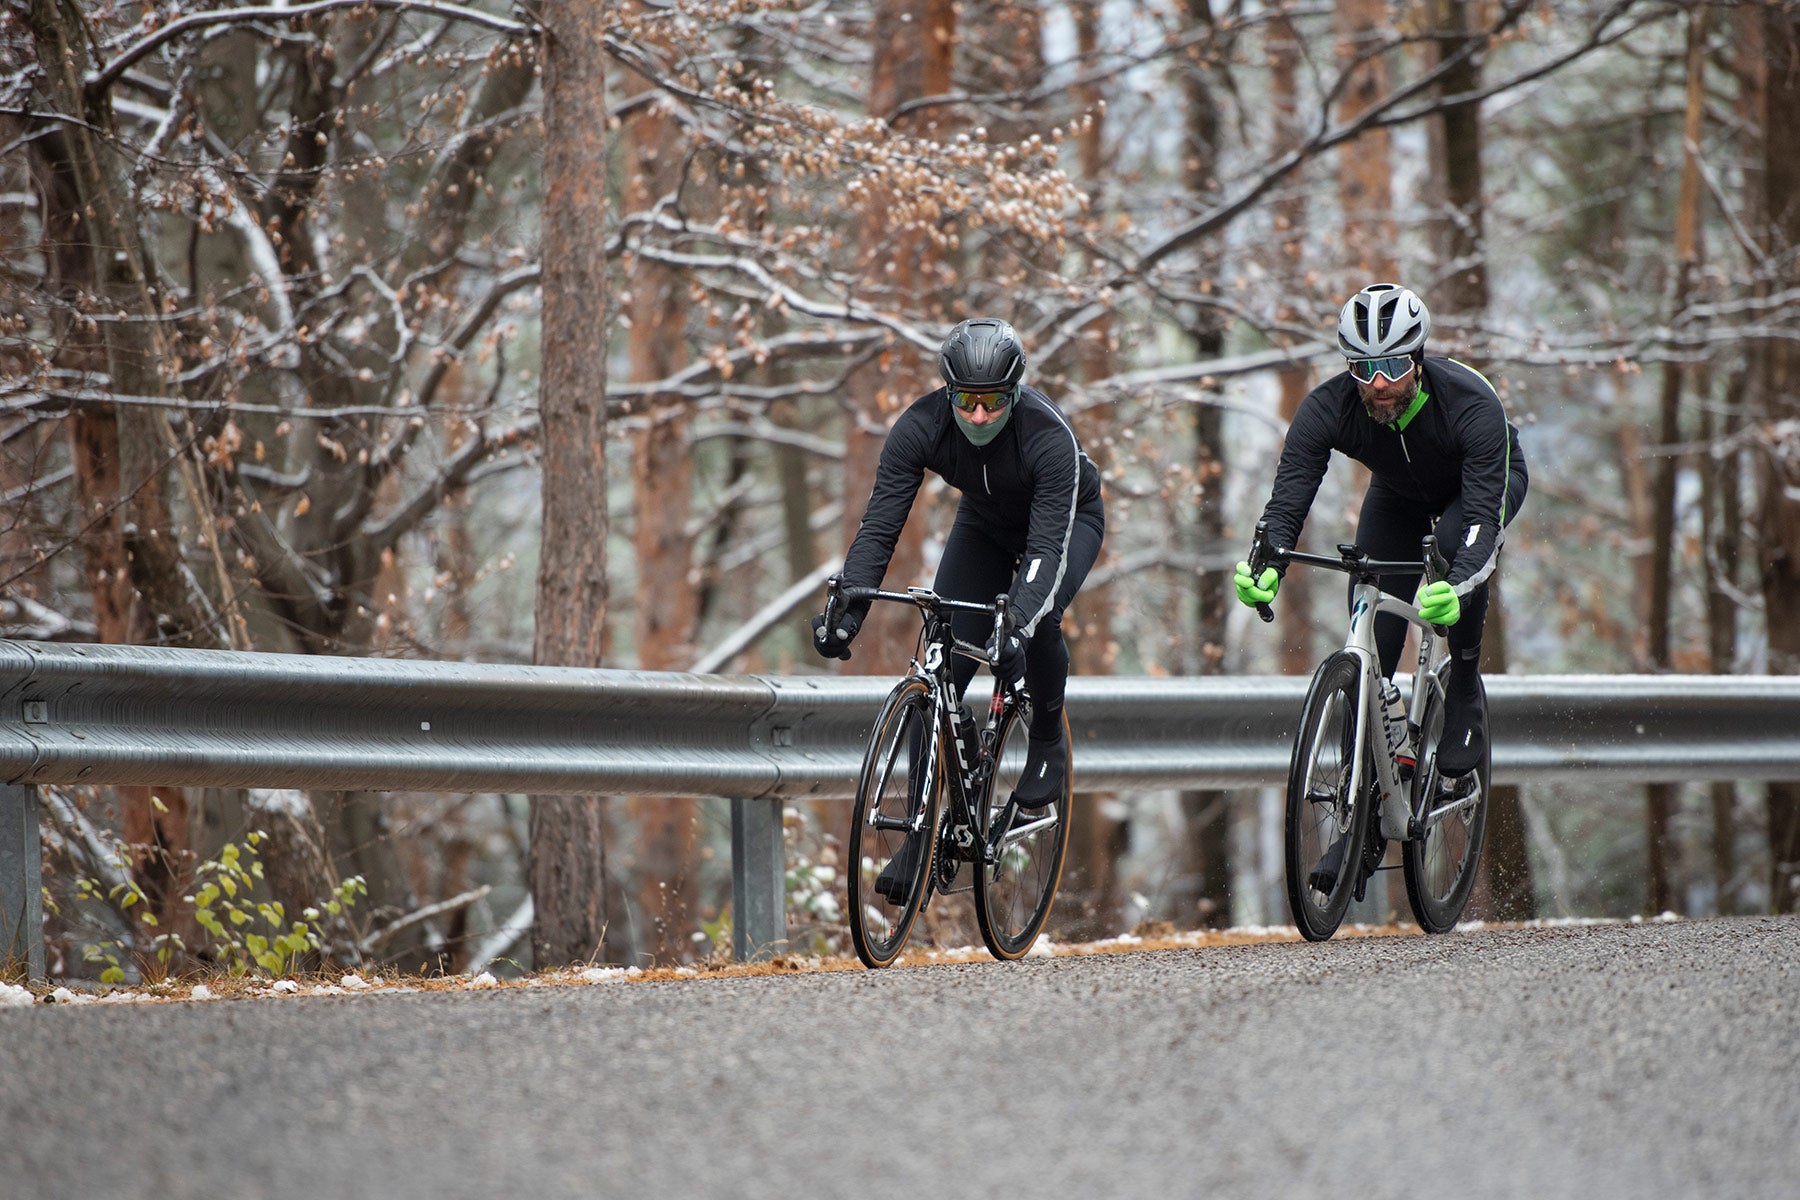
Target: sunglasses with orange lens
(992,401)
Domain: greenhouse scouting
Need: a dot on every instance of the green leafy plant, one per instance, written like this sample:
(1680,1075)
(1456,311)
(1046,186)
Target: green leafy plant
(246,933)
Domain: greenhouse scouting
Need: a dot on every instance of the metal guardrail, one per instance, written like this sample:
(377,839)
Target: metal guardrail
(140,715)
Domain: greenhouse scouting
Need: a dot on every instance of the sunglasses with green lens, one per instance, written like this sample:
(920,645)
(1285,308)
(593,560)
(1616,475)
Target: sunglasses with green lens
(1393,367)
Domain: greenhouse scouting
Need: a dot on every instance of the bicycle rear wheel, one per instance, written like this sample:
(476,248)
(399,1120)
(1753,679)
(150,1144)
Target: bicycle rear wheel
(1325,823)
(897,796)
(1013,893)
(1440,864)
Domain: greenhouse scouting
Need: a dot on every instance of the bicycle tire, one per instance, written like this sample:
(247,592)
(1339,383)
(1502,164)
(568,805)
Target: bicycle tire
(1320,811)
(1014,893)
(885,790)
(1441,863)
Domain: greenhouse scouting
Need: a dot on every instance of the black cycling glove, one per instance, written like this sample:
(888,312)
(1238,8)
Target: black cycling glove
(1007,652)
(835,643)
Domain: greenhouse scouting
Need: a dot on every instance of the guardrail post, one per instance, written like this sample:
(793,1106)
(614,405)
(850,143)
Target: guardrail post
(758,901)
(21,880)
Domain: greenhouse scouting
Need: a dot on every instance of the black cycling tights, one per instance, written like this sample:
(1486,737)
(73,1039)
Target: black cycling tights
(977,566)
(1392,527)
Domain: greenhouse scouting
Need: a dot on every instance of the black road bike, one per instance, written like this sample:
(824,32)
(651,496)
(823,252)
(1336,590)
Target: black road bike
(926,747)
(1364,768)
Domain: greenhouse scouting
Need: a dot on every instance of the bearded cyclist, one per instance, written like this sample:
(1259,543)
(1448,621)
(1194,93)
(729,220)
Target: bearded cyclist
(1442,458)
(1029,523)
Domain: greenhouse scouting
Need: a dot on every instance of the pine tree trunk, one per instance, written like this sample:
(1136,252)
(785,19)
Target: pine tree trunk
(1505,889)
(1087,904)
(1779,388)
(1202,894)
(568,866)
(915,44)
(1294,613)
(1365,172)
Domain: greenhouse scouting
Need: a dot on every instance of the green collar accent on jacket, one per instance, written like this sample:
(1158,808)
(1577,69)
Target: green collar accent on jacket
(1406,417)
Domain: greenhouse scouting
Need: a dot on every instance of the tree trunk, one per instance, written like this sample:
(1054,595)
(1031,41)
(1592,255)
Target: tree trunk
(1366,197)
(1294,613)
(1365,174)
(1779,518)
(1088,899)
(1202,894)
(662,476)
(1505,889)
(915,43)
(1662,798)
(568,866)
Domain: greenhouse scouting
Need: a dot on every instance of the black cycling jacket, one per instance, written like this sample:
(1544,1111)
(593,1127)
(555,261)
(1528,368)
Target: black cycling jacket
(1025,486)
(1458,442)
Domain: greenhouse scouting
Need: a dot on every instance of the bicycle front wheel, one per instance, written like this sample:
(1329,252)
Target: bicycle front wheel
(1440,863)
(1325,821)
(1013,893)
(897,801)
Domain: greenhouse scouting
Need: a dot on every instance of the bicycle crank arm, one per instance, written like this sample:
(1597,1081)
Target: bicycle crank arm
(999,842)
(1422,825)
(1455,806)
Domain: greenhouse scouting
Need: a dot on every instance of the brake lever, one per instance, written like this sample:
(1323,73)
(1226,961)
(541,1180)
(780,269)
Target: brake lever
(1259,546)
(1437,568)
(993,646)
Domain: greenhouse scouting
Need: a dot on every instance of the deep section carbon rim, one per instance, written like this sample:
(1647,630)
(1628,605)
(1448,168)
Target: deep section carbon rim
(897,798)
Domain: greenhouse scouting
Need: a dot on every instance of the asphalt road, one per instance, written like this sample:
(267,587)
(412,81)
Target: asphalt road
(1594,1062)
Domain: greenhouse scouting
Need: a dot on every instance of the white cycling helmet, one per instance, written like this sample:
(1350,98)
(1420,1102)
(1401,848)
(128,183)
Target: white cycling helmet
(1383,319)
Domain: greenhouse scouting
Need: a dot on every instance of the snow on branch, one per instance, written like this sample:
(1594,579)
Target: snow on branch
(109,74)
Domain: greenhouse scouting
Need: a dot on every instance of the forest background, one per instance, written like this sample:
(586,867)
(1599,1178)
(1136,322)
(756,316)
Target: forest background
(568,332)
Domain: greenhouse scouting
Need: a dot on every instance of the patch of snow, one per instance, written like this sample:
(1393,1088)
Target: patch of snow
(290,802)
(1042,948)
(355,983)
(202,992)
(600,974)
(63,995)
(485,979)
(284,987)
(14,996)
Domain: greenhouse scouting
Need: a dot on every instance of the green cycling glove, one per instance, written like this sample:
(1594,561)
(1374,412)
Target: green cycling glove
(1253,591)
(1437,603)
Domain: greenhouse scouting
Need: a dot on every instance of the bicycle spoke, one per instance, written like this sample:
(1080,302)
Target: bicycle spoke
(896,807)
(1023,855)
(1322,833)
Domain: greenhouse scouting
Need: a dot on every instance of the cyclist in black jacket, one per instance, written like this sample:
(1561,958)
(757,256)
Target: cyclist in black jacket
(1442,456)
(1029,524)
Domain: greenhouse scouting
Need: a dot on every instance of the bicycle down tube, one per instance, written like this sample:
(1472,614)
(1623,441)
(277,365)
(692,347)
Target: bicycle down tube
(1399,819)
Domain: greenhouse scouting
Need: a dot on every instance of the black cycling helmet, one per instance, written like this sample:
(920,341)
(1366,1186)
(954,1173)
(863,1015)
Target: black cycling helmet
(982,354)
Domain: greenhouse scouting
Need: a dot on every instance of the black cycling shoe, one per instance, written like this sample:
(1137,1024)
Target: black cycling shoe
(1464,744)
(1323,877)
(897,876)
(1043,779)
(1374,850)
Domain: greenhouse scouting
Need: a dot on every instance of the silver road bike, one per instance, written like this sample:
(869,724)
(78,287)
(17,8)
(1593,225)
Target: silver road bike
(1364,768)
